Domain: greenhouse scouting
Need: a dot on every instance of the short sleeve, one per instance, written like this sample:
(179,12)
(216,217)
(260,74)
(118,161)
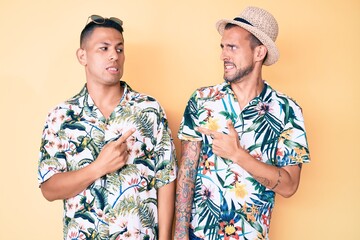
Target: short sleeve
(292,146)
(166,164)
(52,158)
(190,121)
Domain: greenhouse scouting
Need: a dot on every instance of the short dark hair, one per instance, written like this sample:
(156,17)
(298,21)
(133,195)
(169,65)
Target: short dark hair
(90,27)
(254,41)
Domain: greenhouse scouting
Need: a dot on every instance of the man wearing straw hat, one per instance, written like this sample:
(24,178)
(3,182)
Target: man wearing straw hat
(242,141)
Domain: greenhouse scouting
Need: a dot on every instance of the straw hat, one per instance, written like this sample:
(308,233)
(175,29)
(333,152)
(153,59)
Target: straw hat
(261,24)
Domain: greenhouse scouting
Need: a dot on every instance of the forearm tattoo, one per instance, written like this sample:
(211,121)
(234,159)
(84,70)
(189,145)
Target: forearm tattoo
(263,181)
(268,183)
(185,186)
(278,180)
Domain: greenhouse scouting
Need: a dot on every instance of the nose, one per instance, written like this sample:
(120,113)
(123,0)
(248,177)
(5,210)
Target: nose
(113,56)
(223,55)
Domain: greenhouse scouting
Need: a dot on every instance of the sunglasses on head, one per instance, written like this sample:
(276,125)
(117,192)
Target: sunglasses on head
(101,20)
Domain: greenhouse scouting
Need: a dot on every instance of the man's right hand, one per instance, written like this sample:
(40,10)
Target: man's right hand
(114,155)
(68,184)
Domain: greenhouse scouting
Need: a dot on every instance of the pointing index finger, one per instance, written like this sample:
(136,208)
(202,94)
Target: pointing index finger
(230,125)
(205,131)
(126,135)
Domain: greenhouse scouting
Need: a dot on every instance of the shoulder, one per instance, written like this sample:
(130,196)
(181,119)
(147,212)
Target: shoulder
(210,92)
(282,98)
(59,112)
(284,105)
(142,98)
(141,101)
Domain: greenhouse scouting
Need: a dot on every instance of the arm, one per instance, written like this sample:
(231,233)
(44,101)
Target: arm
(68,184)
(283,181)
(190,153)
(166,199)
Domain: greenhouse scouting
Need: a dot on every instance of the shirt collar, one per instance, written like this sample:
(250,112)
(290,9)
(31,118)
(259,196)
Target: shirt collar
(227,88)
(85,99)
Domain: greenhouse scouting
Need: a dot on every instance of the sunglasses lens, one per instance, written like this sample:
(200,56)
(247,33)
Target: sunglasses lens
(100,20)
(118,21)
(97,19)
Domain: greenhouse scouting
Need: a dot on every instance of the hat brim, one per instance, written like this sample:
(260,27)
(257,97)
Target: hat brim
(273,52)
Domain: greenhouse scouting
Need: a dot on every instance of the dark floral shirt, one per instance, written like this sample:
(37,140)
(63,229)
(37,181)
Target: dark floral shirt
(229,203)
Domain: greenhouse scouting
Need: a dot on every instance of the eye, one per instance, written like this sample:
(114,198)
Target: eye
(103,48)
(119,50)
(233,47)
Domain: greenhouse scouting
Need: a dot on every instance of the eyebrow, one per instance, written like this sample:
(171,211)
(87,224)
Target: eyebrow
(227,45)
(108,44)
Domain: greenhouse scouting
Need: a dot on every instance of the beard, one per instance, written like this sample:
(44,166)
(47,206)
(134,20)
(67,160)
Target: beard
(239,74)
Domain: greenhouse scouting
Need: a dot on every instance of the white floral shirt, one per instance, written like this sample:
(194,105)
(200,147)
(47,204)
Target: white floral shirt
(123,204)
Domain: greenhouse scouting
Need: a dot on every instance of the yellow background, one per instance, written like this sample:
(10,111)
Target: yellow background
(172,48)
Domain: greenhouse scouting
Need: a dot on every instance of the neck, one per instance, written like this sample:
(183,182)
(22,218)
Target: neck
(105,97)
(247,89)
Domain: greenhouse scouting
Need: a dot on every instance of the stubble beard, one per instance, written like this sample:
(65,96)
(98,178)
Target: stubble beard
(239,75)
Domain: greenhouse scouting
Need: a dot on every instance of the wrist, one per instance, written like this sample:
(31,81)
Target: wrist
(238,156)
(95,170)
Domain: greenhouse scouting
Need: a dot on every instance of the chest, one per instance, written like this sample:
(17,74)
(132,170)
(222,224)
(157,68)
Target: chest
(259,124)
(86,133)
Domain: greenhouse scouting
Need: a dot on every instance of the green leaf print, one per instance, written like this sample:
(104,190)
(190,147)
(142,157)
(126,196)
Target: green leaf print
(100,196)
(84,215)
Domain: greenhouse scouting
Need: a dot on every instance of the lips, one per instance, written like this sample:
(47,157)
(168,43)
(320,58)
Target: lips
(229,65)
(112,69)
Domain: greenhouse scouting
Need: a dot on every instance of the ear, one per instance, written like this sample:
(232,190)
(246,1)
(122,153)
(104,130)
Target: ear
(260,53)
(81,56)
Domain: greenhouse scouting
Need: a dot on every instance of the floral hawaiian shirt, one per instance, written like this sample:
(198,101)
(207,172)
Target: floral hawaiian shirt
(123,204)
(228,202)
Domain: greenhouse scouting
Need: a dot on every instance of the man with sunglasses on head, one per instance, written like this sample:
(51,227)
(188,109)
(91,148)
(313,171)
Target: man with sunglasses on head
(242,141)
(108,152)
